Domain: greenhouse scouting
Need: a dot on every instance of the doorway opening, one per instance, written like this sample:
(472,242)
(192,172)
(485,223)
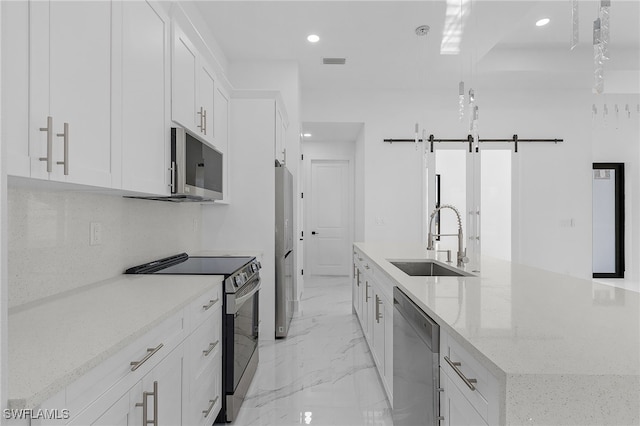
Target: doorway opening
(329,196)
(481,190)
(608,220)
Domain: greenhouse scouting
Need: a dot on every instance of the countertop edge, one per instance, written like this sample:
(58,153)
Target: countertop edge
(31,402)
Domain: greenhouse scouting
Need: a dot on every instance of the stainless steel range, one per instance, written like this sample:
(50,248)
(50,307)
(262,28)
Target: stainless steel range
(239,320)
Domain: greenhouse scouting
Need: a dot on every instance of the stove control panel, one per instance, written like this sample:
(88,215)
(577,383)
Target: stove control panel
(241,277)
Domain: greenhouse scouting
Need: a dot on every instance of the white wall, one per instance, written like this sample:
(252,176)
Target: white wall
(3,260)
(359,210)
(48,239)
(283,77)
(551,186)
(616,140)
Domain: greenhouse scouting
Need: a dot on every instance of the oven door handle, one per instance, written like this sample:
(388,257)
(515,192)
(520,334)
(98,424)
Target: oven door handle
(240,300)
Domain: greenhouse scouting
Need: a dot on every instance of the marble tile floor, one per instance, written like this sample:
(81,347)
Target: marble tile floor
(322,373)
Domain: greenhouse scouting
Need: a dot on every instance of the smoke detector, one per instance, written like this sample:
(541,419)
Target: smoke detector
(422,30)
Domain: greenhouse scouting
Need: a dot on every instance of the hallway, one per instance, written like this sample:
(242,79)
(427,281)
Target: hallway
(322,373)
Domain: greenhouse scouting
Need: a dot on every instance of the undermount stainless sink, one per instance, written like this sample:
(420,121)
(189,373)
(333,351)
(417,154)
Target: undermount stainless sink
(427,268)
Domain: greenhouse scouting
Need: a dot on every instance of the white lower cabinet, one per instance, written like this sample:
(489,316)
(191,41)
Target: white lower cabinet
(455,409)
(475,402)
(157,393)
(470,392)
(177,377)
(373,306)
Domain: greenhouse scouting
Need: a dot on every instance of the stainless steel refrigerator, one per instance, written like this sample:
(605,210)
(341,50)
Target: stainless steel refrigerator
(284,250)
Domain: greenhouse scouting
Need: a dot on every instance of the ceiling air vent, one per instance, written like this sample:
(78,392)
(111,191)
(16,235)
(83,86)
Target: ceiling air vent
(334,61)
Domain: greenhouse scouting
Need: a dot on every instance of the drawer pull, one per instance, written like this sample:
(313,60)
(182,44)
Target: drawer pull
(455,365)
(210,348)
(212,403)
(150,353)
(211,303)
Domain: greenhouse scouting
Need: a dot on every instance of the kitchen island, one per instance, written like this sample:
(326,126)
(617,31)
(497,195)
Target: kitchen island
(562,350)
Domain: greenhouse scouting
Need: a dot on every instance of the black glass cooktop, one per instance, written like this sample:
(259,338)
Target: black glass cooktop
(207,266)
(183,264)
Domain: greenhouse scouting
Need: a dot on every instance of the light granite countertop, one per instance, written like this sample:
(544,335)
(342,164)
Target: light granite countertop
(564,350)
(83,327)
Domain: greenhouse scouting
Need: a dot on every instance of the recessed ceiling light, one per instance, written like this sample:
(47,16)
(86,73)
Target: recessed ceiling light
(306,135)
(542,22)
(313,38)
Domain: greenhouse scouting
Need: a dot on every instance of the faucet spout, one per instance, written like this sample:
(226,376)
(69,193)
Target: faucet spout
(462,258)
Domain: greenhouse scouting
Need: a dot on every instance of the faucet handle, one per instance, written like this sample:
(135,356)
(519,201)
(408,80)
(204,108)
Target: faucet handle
(463,258)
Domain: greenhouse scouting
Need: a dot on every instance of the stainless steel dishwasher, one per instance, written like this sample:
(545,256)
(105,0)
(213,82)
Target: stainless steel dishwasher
(416,374)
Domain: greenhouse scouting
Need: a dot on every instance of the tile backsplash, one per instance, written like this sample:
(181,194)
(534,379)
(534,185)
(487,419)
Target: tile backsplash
(49,236)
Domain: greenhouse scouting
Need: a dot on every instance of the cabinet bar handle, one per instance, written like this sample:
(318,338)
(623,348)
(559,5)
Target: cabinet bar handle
(65,137)
(378,314)
(172,169)
(207,351)
(202,115)
(366,292)
(144,405)
(211,303)
(150,353)
(204,120)
(49,157)
(212,403)
(455,365)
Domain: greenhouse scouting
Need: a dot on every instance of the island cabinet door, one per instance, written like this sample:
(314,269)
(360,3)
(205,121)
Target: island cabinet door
(455,409)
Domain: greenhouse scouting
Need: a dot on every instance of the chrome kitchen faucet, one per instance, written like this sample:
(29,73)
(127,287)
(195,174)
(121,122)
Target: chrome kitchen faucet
(462,252)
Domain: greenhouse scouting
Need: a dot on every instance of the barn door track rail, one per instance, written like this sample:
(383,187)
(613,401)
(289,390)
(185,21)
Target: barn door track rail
(515,140)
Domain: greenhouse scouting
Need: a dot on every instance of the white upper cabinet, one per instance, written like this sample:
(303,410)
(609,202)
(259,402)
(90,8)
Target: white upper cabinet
(70,81)
(15,86)
(141,116)
(193,88)
(206,102)
(89,89)
(183,80)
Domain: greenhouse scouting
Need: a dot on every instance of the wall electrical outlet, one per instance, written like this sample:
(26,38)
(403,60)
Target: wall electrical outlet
(95,234)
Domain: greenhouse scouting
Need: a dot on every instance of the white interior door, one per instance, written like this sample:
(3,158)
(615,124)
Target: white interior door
(329,228)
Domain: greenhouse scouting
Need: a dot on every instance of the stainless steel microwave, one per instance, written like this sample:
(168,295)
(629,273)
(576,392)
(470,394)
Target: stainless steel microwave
(196,168)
